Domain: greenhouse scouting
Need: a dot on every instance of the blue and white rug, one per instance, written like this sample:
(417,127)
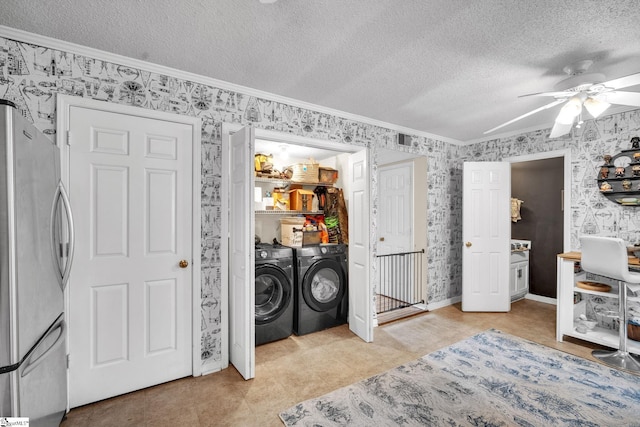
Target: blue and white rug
(490,379)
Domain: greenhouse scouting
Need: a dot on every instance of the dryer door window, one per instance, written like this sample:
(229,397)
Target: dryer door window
(324,285)
(273,293)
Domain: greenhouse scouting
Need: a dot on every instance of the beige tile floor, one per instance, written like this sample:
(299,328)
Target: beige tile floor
(299,368)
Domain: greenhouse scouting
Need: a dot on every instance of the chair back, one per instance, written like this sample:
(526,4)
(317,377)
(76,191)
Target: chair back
(605,256)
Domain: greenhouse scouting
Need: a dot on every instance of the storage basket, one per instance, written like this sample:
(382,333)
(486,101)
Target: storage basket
(311,238)
(327,175)
(291,231)
(305,172)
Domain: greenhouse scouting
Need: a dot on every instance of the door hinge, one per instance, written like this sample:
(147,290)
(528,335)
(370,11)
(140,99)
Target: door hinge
(69,138)
(68,360)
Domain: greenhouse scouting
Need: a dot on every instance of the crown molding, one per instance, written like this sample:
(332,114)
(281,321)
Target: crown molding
(510,134)
(40,40)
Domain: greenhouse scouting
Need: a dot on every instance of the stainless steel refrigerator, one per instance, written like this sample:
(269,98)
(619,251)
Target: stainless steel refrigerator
(36,249)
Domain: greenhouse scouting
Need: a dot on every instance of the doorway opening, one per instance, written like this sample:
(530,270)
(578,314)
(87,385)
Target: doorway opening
(543,182)
(401,235)
(238,322)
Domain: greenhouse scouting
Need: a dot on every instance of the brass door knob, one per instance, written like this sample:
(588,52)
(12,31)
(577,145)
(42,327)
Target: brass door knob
(468,244)
(183,263)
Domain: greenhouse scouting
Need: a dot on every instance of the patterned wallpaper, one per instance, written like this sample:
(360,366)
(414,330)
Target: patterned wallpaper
(32,75)
(591,212)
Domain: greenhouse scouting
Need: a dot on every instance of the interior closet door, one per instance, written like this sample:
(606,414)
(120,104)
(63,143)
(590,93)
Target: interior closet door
(241,253)
(486,233)
(360,294)
(130,187)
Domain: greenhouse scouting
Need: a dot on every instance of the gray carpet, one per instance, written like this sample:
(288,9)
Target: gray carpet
(490,379)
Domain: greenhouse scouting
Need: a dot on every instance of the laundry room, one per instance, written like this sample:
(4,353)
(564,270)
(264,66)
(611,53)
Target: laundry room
(301,182)
(301,237)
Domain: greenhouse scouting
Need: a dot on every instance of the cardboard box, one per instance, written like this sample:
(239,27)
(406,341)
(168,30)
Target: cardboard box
(300,200)
(291,231)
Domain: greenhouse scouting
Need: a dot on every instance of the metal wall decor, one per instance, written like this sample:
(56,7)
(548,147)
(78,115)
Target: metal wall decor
(624,186)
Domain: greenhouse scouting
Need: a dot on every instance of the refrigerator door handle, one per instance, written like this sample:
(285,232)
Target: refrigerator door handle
(58,249)
(70,235)
(29,363)
(55,244)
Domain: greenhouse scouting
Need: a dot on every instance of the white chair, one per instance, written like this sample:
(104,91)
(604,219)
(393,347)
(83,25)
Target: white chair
(607,256)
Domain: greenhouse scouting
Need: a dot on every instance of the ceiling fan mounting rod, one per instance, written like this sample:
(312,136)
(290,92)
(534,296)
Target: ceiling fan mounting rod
(578,67)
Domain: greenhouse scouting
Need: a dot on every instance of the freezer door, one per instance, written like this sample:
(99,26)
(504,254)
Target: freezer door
(42,380)
(5,255)
(39,297)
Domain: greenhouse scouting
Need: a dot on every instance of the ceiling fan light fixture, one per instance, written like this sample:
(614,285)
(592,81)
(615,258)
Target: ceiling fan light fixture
(560,129)
(582,88)
(570,110)
(595,107)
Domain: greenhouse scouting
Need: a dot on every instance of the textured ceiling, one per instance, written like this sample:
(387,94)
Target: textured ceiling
(453,68)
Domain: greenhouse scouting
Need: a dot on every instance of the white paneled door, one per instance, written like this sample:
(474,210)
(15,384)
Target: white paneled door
(130,288)
(242,347)
(360,289)
(395,225)
(486,233)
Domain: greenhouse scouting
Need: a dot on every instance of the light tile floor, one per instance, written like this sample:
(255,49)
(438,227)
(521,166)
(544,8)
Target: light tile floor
(299,368)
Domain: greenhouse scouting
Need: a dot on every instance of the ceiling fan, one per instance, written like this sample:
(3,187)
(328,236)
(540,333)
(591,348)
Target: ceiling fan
(582,89)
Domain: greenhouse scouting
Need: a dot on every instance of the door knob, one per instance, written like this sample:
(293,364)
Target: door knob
(382,239)
(183,263)
(468,244)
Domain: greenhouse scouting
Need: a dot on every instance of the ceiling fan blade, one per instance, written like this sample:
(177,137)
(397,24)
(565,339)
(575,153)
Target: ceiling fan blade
(623,98)
(560,129)
(561,94)
(544,107)
(622,82)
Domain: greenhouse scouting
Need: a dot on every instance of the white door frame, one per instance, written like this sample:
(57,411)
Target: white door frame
(63,105)
(566,201)
(420,207)
(227,129)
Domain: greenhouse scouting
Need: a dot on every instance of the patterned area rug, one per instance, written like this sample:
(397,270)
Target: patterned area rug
(490,379)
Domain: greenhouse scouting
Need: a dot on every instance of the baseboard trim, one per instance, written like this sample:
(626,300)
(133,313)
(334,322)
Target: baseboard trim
(540,298)
(443,303)
(212,368)
(454,300)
